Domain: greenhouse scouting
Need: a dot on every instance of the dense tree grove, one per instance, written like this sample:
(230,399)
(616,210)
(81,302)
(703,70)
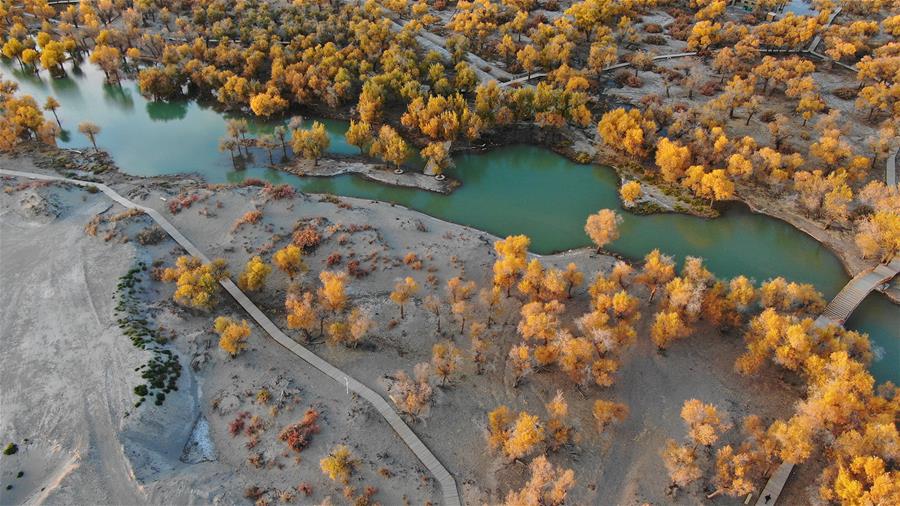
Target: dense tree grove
(268,58)
(753,113)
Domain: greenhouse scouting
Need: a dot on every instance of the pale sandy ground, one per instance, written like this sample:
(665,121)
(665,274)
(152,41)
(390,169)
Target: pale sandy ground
(619,467)
(67,372)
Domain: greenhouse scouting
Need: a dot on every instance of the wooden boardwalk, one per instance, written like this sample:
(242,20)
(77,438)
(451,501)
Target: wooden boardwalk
(836,313)
(890,168)
(445,479)
(839,309)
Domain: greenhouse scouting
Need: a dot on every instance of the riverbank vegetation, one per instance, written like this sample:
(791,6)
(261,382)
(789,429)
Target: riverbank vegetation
(529,323)
(792,131)
(755,114)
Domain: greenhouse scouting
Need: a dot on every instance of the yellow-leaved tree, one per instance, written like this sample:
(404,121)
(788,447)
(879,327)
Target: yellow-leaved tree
(254,276)
(339,464)
(232,335)
(511,253)
(403,290)
(290,260)
(301,315)
(603,227)
(310,144)
(197,284)
(630,192)
(628,131)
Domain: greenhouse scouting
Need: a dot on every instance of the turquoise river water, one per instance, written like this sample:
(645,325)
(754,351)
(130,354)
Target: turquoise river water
(512,190)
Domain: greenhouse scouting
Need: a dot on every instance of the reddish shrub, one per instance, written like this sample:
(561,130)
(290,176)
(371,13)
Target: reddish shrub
(333,259)
(305,489)
(253,182)
(307,238)
(282,191)
(176,204)
(299,435)
(237,425)
(709,88)
(355,270)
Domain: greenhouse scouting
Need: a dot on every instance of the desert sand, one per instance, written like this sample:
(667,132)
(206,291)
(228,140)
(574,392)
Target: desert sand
(88,443)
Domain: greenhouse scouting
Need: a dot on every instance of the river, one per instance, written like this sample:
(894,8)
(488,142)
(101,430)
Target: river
(511,190)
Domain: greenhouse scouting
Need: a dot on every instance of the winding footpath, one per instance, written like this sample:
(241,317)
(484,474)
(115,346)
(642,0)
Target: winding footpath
(449,490)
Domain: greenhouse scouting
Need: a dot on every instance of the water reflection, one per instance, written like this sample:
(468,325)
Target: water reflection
(167,111)
(517,189)
(118,96)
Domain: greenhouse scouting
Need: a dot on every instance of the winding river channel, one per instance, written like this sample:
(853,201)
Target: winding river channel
(511,190)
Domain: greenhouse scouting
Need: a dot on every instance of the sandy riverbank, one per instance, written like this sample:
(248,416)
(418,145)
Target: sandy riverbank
(68,374)
(335,166)
(622,466)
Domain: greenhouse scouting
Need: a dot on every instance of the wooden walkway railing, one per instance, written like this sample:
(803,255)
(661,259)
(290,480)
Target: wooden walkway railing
(445,479)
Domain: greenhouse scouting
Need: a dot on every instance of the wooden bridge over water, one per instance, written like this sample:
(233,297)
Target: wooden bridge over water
(837,312)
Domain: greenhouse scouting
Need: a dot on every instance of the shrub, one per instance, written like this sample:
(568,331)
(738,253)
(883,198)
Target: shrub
(307,238)
(176,204)
(124,215)
(845,93)
(709,88)
(681,27)
(90,228)
(653,28)
(253,492)
(11,449)
(237,425)
(355,270)
(151,235)
(412,260)
(251,217)
(633,81)
(279,192)
(656,40)
(253,182)
(333,259)
(299,435)
(92,189)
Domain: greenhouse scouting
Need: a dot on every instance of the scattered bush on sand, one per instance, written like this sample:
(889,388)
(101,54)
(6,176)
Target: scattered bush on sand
(150,235)
(299,435)
(306,238)
(279,192)
(250,217)
(339,464)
